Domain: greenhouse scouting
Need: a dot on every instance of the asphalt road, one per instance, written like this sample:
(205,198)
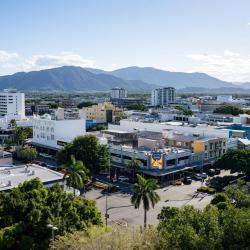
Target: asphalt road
(121,210)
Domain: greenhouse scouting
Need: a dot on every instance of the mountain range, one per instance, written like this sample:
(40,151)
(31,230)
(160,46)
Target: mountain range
(71,78)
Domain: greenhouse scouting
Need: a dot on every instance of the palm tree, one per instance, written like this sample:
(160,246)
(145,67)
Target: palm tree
(134,165)
(144,191)
(76,174)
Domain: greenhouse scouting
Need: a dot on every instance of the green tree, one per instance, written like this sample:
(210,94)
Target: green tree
(26,153)
(189,228)
(137,106)
(76,174)
(134,166)
(85,104)
(235,160)
(228,109)
(184,110)
(13,123)
(87,149)
(21,134)
(26,210)
(144,192)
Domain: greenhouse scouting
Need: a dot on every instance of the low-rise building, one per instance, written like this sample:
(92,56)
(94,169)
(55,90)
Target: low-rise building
(243,143)
(180,127)
(211,148)
(53,133)
(39,109)
(13,176)
(104,113)
(125,102)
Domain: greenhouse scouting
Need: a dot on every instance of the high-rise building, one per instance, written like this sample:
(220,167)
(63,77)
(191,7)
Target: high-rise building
(163,96)
(118,93)
(12,104)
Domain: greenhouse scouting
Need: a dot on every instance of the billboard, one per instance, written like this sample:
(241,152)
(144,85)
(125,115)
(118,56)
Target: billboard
(157,160)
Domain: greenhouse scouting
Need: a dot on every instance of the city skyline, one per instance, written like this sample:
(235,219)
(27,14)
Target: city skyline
(210,37)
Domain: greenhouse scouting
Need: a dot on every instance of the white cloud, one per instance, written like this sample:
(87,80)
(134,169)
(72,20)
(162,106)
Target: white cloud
(231,53)
(6,56)
(12,62)
(230,66)
(38,62)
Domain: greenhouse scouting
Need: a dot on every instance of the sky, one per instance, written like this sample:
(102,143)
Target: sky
(210,36)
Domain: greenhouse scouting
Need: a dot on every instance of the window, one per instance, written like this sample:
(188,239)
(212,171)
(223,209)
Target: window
(52,137)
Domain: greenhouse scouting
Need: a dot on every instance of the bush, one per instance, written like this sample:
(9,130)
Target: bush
(96,238)
(100,185)
(206,189)
(221,197)
(26,153)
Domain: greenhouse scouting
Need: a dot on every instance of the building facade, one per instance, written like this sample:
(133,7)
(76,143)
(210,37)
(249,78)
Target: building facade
(12,104)
(163,96)
(55,133)
(118,93)
(103,113)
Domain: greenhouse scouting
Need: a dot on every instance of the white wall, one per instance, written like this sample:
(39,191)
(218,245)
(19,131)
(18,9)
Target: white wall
(12,105)
(131,126)
(48,132)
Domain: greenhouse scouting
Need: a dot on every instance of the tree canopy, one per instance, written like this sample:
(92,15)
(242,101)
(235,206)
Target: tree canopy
(85,104)
(87,149)
(76,174)
(228,109)
(26,153)
(235,160)
(137,106)
(183,110)
(26,210)
(224,224)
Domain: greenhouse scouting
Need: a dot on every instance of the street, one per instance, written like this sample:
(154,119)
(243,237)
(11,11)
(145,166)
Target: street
(120,208)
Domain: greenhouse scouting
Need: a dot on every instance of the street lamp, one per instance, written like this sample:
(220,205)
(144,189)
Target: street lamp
(53,229)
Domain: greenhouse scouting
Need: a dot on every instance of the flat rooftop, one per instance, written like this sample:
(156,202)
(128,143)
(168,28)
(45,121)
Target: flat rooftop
(168,150)
(18,174)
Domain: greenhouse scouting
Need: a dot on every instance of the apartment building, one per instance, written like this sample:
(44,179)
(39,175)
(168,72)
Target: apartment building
(118,93)
(163,96)
(103,113)
(12,104)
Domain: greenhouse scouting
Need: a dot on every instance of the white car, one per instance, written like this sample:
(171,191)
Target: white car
(123,178)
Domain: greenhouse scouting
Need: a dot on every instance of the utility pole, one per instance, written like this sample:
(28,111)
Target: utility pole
(106,213)
(202,163)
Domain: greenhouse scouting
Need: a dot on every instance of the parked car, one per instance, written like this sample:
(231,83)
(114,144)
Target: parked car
(211,172)
(204,175)
(123,178)
(36,162)
(46,156)
(197,177)
(217,171)
(187,180)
